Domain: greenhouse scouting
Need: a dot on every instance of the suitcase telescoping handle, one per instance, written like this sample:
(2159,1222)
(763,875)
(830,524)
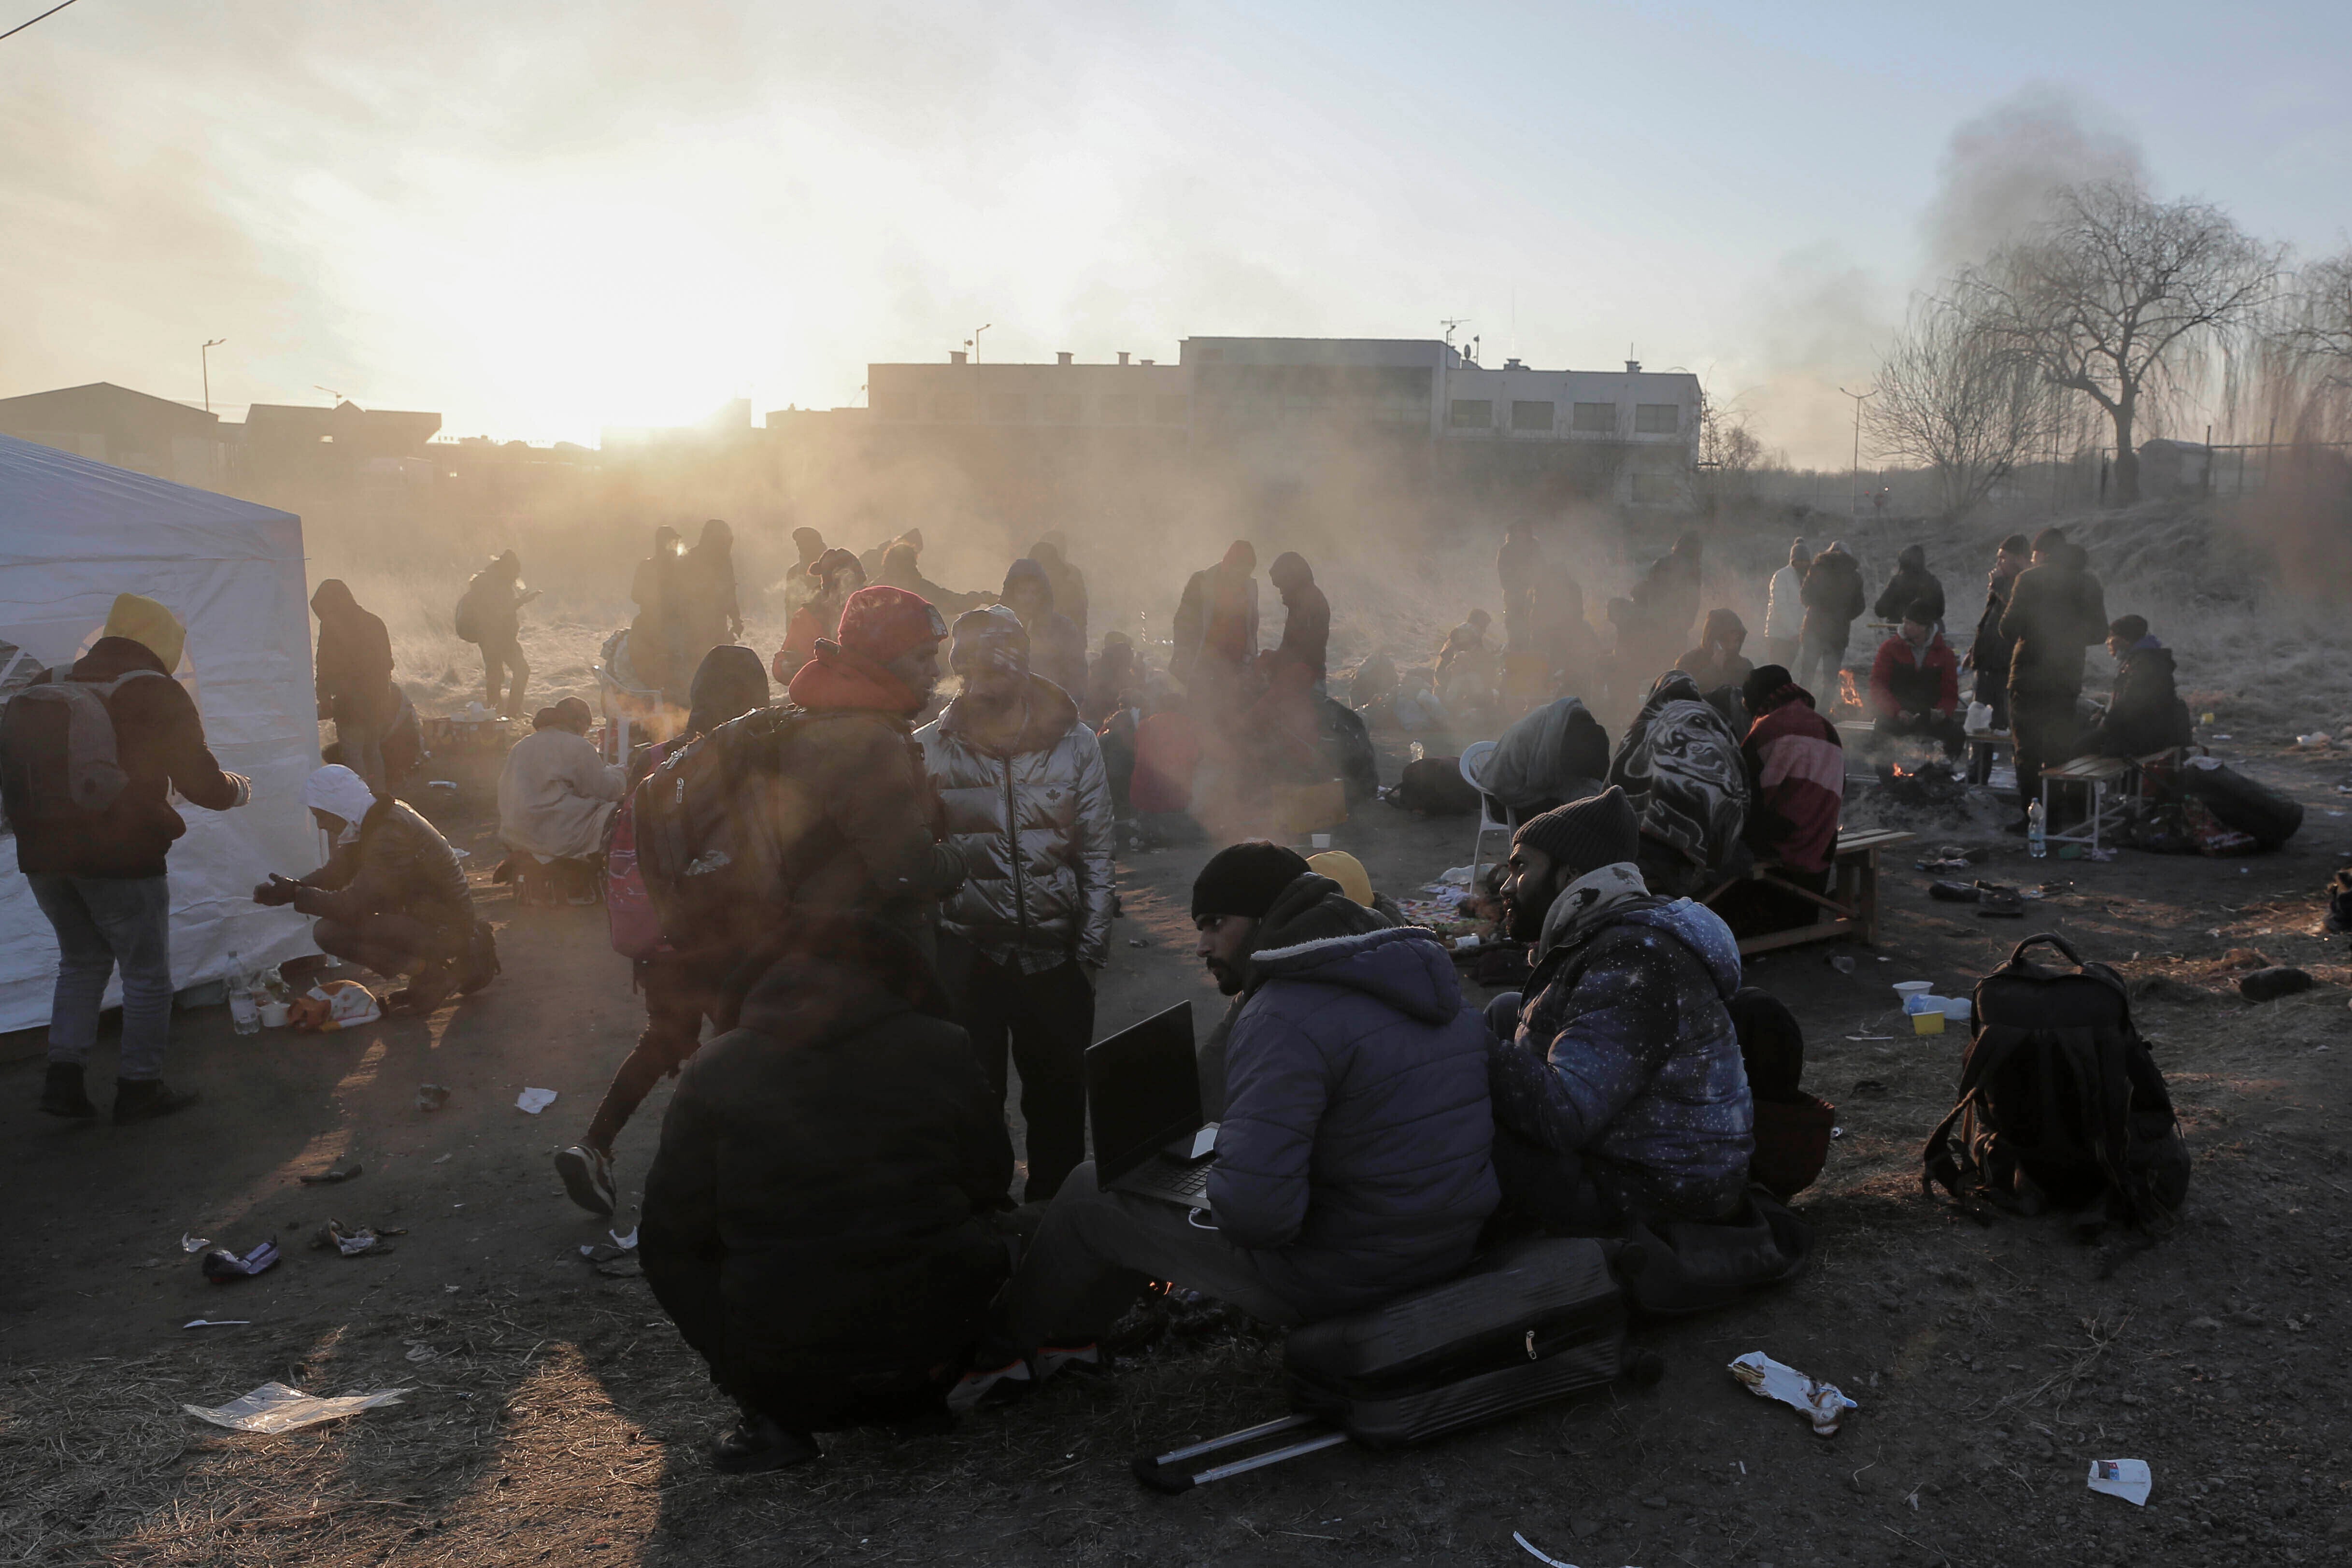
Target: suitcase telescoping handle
(1171,1473)
(2017,958)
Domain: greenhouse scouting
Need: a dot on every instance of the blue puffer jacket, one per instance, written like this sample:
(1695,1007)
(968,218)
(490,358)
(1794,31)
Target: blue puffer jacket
(1357,1139)
(1625,1053)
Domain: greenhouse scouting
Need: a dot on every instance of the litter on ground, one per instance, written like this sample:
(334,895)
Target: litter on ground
(2126,1478)
(534,1100)
(274,1408)
(1820,1403)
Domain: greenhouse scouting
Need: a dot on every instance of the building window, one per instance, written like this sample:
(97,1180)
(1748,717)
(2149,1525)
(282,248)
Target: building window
(1171,408)
(1657,418)
(1008,407)
(1473,414)
(1655,490)
(1061,408)
(1121,408)
(1592,418)
(1533,416)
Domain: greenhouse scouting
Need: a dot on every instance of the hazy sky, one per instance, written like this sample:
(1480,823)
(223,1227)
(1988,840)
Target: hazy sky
(541,218)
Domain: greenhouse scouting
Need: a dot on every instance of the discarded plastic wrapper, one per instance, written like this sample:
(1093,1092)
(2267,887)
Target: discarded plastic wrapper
(217,1323)
(191,1242)
(1454,877)
(431,1096)
(1820,1403)
(625,1243)
(274,1408)
(333,1004)
(220,1265)
(2126,1478)
(534,1100)
(352,1240)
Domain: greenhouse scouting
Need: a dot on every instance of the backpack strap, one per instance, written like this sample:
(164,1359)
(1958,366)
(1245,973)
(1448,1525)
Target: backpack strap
(1993,1045)
(2050,938)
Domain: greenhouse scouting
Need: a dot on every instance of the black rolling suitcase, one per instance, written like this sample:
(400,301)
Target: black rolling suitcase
(1533,1321)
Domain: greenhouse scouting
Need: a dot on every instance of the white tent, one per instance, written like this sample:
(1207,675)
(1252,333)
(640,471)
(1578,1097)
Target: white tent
(73,534)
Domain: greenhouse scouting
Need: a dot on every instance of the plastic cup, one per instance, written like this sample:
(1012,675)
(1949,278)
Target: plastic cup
(1906,989)
(273,1014)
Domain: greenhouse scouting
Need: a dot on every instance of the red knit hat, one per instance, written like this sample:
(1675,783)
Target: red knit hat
(881,623)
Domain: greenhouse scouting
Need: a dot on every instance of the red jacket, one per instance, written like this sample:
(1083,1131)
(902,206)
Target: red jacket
(1796,771)
(1929,682)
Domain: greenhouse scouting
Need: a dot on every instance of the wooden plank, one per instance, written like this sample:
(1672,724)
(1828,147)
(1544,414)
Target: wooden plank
(1825,931)
(2090,770)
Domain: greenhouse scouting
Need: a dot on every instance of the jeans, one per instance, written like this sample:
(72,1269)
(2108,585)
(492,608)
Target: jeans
(1818,670)
(2046,730)
(358,736)
(505,658)
(1047,1021)
(103,921)
(391,943)
(1094,1251)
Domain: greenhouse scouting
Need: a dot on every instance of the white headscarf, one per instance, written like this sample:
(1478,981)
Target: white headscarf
(339,792)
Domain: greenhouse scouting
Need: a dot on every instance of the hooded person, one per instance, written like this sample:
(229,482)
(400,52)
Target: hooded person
(901,569)
(1784,606)
(708,611)
(837,576)
(390,896)
(556,791)
(2056,610)
(1618,1086)
(859,802)
(1215,630)
(1028,810)
(1912,583)
(819,1218)
(353,666)
(656,588)
(1679,763)
(2146,713)
(680,989)
(1069,584)
(101,875)
(1833,601)
(1557,753)
(1057,649)
(1307,622)
(1988,655)
(1716,662)
(1353,1152)
(487,617)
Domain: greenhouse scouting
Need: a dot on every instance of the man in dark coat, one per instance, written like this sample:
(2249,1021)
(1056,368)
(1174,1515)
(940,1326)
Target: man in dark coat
(1718,662)
(1912,583)
(99,875)
(1665,603)
(2056,610)
(1352,1160)
(390,896)
(1833,601)
(1057,649)
(354,667)
(1988,655)
(1216,632)
(1618,1086)
(487,616)
(1306,622)
(2146,714)
(817,1220)
(1069,584)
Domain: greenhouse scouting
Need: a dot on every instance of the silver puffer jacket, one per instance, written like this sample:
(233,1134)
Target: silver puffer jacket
(1048,900)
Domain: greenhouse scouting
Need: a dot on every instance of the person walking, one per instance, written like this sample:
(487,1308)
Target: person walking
(354,667)
(1029,810)
(2056,610)
(1784,606)
(98,872)
(487,617)
(1833,601)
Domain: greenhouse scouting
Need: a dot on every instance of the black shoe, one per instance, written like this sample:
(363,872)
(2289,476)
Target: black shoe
(64,1095)
(480,964)
(587,1175)
(143,1100)
(757,1445)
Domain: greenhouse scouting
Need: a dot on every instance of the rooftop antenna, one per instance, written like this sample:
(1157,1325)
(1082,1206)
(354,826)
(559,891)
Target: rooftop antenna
(330,392)
(1452,325)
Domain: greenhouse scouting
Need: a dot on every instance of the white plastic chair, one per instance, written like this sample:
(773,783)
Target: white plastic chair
(1474,759)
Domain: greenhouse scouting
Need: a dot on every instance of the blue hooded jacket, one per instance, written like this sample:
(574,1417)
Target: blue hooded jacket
(1356,1150)
(1625,1055)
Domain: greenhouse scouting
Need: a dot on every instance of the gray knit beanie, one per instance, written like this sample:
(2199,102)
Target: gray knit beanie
(1585,834)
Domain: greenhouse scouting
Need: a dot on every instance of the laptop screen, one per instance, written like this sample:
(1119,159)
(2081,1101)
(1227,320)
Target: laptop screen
(1143,1091)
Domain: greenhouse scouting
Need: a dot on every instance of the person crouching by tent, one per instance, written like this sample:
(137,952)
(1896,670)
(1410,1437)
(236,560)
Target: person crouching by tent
(98,874)
(391,897)
(818,1221)
(354,677)
(556,793)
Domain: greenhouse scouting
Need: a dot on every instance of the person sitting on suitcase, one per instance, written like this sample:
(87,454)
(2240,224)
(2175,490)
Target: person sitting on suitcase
(1352,1160)
(1618,1087)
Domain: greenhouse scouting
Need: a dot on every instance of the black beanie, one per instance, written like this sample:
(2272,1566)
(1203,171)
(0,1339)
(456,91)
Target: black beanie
(1584,835)
(1245,878)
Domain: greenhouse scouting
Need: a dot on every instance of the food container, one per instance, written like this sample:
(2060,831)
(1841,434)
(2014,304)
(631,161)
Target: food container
(1927,1023)
(1906,989)
(1957,1010)
(274,1013)
(1926,1002)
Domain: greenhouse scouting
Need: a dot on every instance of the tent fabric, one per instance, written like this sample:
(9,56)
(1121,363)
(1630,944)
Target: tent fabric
(73,534)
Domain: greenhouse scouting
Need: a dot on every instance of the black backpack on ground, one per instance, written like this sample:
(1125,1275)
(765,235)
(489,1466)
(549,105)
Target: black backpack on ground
(1435,787)
(2061,1105)
(712,847)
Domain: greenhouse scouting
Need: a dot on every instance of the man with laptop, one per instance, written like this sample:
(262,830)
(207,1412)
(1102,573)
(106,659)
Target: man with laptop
(1352,1161)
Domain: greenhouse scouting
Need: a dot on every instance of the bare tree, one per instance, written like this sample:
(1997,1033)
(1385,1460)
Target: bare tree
(1960,398)
(2306,364)
(2122,298)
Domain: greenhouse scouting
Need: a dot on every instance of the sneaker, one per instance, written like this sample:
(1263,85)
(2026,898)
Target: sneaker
(588,1176)
(480,964)
(993,1385)
(143,1100)
(64,1094)
(425,991)
(756,1445)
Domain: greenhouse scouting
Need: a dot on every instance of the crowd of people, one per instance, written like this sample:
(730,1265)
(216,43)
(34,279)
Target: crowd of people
(879,904)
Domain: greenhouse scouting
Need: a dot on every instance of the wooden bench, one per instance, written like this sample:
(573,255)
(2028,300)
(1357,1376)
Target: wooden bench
(1985,747)
(2095,775)
(1851,902)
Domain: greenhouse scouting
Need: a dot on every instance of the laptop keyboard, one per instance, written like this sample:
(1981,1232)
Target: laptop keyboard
(1191,1179)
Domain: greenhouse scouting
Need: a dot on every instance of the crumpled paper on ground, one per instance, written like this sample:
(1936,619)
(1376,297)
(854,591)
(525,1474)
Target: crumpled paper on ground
(1820,1403)
(274,1408)
(534,1100)
(2126,1478)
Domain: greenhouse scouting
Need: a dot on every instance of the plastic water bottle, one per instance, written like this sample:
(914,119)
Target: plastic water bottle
(2037,835)
(244,1007)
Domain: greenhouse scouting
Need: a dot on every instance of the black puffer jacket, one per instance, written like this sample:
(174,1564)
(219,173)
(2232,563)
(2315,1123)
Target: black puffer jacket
(814,1221)
(1834,599)
(1911,583)
(1312,909)
(2147,713)
(399,864)
(2055,612)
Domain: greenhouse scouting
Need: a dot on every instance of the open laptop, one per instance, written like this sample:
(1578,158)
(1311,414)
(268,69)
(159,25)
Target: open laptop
(1143,1096)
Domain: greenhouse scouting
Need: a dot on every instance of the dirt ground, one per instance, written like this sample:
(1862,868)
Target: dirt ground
(552,1415)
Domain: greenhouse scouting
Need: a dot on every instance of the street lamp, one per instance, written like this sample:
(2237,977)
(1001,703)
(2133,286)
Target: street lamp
(205,355)
(1859,397)
(972,342)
